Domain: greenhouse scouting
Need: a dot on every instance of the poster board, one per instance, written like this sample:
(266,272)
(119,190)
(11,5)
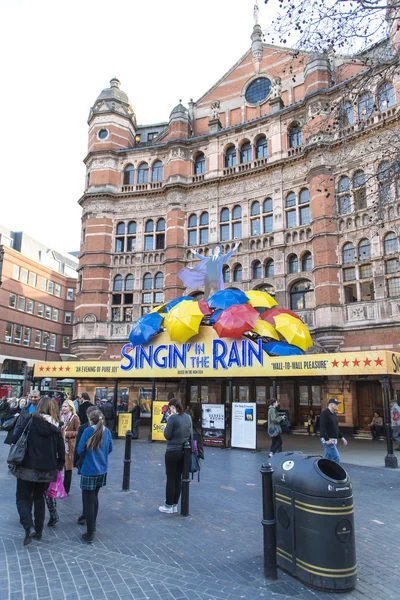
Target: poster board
(124,423)
(341,407)
(213,424)
(159,420)
(244,425)
(145,402)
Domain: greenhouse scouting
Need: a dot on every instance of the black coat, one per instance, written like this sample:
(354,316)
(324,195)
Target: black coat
(135,412)
(108,410)
(11,413)
(82,411)
(78,437)
(46,449)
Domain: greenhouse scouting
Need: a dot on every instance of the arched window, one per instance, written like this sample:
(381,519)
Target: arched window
(192,221)
(266,287)
(390,244)
(157,171)
(131,228)
(237,273)
(160,235)
(359,190)
(365,106)
(245,152)
(149,228)
(291,215)
(117,286)
(257,270)
(200,164)
(120,238)
(386,96)
(230,156)
(131,238)
(226,274)
(160,225)
(268,218)
(262,147)
(344,198)
(364,250)
(293,263)
(149,237)
(269,268)
(236,223)
(143,173)
(306,262)
(159,281)
(290,199)
(348,254)
(204,219)
(384,190)
(236,213)
(224,215)
(255,219)
(304,208)
(129,175)
(255,209)
(347,114)
(344,185)
(129,283)
(295,137)
(192,230)
(147,281)
(120,229)
(302,295)
(224,233)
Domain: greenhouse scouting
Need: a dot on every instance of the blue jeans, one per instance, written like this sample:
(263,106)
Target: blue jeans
(331,451)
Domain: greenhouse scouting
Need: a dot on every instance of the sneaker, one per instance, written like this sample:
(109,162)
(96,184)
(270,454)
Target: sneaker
(167,509)
(89,539)
(29,534)
(53,521)
(82,520)
(174,508)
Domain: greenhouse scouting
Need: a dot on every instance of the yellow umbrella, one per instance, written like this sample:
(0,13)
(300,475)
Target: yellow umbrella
(259,298)
(159,309)
(266,329)
(183,321)
(294,331)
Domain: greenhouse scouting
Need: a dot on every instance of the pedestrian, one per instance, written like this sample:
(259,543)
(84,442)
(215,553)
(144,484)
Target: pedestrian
(94,447)
(121,405)
(395,413)
(30,407)
(83,406)
(11,419)
(189,411)
(22,403)
(44,457)
(376,426)
(109,414)
(311,422)
(178,430)
(77,460)
(51,503)
(329,430)
(70,431)
(135,419)
(3,409)
(274,427)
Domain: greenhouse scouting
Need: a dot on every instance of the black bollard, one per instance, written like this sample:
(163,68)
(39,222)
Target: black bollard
(185,480)
(268,523)
(127,462)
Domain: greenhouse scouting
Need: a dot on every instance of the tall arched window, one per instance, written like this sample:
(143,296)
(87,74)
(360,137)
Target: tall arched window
(390,243)
(304,206)
(117,286)
(200,164)
(131,237)
(237,273)
(306,262)
(203,230)
(230,156)
(159,281)
(226,274)
(269,268)
(291,216)
(143,173)
(157,171)
(262,147)
(384,189)
(268,218)
(347,114)
(129,175)
(293,263)
(160,235)
(192,230)
(120,238)
(147,281)
(120,229)
(149,235)
(257,270)
(224,233)
(245,152)
(132,228)
(295,136)
(348,254)
(365,105)
(129,281)
(160,225)
(343,197)
(302,295)
(236,223)
(386,96)
(255,218)
(359,190)
(364,250)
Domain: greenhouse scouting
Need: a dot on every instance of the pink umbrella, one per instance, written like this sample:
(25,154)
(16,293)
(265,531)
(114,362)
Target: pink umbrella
(205,309)
(236,320)
(270,314)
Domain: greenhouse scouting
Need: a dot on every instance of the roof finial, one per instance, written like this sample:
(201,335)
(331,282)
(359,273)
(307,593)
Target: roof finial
(256,40)
(256,12)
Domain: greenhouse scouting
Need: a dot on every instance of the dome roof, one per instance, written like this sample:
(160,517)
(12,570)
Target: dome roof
(114,93)
(180,112)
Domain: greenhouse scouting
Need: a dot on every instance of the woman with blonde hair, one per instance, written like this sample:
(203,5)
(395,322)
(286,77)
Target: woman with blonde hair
(94,447)
(71,424)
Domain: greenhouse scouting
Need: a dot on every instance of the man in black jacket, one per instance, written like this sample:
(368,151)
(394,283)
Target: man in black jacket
(83,406)
(135,419)
(329,430)
(109,414)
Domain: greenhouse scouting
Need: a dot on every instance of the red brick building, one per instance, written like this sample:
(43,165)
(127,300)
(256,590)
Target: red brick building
(257,159)
(37,299)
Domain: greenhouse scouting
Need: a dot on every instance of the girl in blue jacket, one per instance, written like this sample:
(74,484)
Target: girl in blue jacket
(94,447)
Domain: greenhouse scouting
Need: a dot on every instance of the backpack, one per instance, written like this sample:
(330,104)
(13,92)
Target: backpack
(197,453)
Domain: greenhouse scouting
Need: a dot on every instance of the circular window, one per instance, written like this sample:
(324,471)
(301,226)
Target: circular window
(258,90)
(103,133)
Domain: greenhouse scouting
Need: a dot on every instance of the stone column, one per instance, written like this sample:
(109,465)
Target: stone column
(174,248)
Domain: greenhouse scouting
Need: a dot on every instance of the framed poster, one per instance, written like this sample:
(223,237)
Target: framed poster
(339,397)
(244,425)
(213,424)
(159,420)
(145,402)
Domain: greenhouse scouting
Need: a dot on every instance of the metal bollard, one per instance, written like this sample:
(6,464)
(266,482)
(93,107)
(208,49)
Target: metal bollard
(127,462)
(185,480)
(268,523)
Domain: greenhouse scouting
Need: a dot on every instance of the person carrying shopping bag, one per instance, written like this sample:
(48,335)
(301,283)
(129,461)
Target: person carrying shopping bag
(71,425)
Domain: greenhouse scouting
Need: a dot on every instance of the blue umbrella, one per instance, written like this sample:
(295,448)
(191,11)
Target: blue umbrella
(174,302)
(215,315)
(145,328)
(282,349)
(226,298)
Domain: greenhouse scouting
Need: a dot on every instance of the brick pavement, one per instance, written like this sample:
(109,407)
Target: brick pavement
(142,554)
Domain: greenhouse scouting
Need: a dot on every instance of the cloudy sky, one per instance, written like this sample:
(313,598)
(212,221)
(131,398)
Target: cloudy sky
(57,57)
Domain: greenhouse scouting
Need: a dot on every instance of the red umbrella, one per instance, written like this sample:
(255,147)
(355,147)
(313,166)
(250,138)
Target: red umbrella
(236,320)
(205,309)
(269,315)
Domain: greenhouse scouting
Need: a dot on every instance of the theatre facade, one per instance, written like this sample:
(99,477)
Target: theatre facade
(316,210)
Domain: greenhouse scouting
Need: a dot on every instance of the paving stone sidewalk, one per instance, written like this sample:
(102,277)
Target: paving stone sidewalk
(216,553)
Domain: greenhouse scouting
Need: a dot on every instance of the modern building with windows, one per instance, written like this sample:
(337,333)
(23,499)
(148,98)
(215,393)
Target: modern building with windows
(259,158)
(37,300)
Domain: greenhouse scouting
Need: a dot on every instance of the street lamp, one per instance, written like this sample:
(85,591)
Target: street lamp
(1,263)
(46,345)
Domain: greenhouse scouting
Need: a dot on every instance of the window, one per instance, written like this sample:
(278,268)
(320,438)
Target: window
(157,171)
(237,273)
(55,314)
(143,173)
(160,235)
(50,287)
(291,218)
(15,272)
(24,275)
(365,106)
(30,307)
(302,295)
(8,333)
(267,288)
(365,271)
(350,293)
(268,222)
(258,90)
(359,190)
(159,281)
(103,134)
(290,200)
(53,342)
(384,191)
(390,244)
(47,312)
(386,97)
(236,223)
(46,340)
(21,303)
(38,338)
(120,229)
(367,291)
(12,303)
(262,147)
(344,198)
(295,137)
(204,221)
(364,250)
(257,270)
(349,274)
(306,262)
(32,279)
(70,293)
(245,152)
(192,230)
(293,263)
(348,254)
(158,297)
(346,114)
(132,228)
(147,282)
(65,342)
(43,284)
(224,229)
(392,266)
(394,287)
(129,281)
(27,337)
(148,238)
(58,290)
(131,238)
(152,135)
(117,286)
(115,314)
(129,175)
(146,298)
(230,156)
(40,310)
(200,164)
(68,318)
(304,210)
(269,268)
(18,334)
(226,274)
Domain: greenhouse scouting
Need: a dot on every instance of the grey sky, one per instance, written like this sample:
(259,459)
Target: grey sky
(57,57)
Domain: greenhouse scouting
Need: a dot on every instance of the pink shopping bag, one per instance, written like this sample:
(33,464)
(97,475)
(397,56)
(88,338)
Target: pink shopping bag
(56,488)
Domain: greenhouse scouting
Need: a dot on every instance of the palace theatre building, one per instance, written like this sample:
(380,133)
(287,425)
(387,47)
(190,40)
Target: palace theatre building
(259,160)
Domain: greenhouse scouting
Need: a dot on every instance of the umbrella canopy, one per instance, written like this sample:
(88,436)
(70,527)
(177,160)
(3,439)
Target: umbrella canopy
(294,331)
(205,309)
(215,315)
(169,305)
(145,328)
(260,299)
(266,329)
(282,349)
(236,320)
(269,315)
(226,298)
(183,321)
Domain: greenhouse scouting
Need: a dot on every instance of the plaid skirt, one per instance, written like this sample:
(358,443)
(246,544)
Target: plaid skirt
(91,482)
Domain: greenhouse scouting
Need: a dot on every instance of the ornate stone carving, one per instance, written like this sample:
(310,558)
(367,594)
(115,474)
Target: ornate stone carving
(215,106)
(356,313)
(276,89)
(89,318)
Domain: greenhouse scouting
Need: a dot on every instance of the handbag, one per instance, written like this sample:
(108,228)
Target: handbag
(18,450)
(273,431)
(9,424)
(56,489)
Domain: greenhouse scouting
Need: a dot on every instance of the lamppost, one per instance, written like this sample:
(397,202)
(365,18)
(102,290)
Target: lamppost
(46,345)
(1,263)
